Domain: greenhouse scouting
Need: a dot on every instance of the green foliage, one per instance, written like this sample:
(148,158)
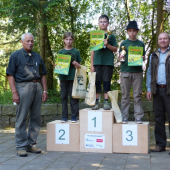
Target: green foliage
(5,97)
(77,16)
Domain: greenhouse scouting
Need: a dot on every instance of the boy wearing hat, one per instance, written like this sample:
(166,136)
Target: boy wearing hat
(102,62)
(131,75)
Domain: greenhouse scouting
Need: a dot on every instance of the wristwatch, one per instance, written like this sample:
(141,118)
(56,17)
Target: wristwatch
(45,92)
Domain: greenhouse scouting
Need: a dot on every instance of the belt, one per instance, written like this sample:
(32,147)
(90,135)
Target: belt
(35,81)
(161,86)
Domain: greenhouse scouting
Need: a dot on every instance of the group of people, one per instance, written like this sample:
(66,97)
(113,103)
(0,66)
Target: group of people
(26,74)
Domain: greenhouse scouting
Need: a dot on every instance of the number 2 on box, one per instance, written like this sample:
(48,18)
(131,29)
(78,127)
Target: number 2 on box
(60,138)
(94,121)
(129,131)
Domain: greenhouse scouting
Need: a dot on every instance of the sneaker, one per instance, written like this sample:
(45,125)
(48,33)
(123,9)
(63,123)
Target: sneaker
(63,120)
(22,153)
(106,106)
(138,121)
(33,149)
(96,107)
(125,121)
(73,120)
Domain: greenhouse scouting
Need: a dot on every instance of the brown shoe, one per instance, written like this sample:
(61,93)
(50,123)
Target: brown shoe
(33,149)
(22,153)
(158,149)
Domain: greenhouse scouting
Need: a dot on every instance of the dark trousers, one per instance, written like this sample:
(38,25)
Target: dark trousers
(66,86)
(161,105)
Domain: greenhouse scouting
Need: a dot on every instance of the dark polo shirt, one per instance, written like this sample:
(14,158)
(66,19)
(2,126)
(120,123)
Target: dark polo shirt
(24,67)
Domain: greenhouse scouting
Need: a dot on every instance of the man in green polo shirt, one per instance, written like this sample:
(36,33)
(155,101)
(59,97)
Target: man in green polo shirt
(102,62)
(131,75)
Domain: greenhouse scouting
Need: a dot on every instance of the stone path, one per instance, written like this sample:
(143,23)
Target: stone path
(77,161)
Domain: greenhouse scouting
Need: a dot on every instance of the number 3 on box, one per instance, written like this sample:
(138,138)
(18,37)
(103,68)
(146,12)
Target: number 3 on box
(129,135)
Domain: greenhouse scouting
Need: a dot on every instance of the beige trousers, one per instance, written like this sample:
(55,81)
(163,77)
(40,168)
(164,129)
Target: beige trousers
(134,79)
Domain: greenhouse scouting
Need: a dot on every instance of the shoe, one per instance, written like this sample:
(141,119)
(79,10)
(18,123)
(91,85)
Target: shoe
(22,153)
(158,149)
(73,119)
(138,121)
(63,120)
(96,107)
(33,149)
(106,106)
(125,121)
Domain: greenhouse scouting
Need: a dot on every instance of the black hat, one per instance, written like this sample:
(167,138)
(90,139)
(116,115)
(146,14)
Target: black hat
(132,24)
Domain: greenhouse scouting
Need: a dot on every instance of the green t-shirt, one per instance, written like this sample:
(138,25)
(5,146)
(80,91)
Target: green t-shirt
(124,65)
(105,56)
(75,55)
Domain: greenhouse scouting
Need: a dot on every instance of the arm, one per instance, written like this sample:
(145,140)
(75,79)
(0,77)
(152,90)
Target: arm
(92,59)
(44,86)
(148,81)
(76,64)
(110,47)
(13,89)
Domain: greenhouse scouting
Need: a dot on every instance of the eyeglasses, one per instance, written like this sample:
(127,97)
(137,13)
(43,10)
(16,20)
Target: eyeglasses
(102,22)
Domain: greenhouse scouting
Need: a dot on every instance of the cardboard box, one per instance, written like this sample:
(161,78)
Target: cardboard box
(96,130)
(131,138)
(55,133)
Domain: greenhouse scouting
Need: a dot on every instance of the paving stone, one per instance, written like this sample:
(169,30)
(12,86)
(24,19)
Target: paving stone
(138,163)
(9,167)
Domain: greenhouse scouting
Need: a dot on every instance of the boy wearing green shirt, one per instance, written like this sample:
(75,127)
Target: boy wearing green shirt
(131,75)
(102,62)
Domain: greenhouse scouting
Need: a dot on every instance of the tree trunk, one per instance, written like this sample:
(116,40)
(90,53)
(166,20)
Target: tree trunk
(159,28)
(127,9)
(45,48)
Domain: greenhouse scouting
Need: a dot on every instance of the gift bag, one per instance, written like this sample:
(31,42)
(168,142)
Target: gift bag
(114,98)
(79,84)
(91,90)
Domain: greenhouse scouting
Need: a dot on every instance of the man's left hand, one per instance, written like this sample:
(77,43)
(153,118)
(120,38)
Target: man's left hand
(44,97)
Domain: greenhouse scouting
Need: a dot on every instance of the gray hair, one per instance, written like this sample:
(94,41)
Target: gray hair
(23,36)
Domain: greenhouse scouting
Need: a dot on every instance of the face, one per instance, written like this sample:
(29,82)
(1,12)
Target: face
(163,40)
(28,42)
(103,23)
(68,41)
(132,33)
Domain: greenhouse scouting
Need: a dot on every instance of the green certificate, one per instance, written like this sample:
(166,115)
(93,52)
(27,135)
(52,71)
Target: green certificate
(63,64)
(134,56)
(96,40)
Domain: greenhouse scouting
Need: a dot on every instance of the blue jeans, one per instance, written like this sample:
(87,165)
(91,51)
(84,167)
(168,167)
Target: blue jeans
(30,94)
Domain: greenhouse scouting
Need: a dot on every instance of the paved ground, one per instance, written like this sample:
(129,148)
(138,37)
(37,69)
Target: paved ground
(77,161)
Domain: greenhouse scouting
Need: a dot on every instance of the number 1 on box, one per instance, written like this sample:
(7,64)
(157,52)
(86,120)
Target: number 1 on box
(94,121)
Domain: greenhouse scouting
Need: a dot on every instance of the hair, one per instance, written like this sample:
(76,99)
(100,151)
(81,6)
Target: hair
(104,16)
(165,33)
(68,34)
(23,36)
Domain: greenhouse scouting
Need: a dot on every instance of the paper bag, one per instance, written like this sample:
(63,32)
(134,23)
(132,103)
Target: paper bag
(114,98)
(91,90)
(79,84)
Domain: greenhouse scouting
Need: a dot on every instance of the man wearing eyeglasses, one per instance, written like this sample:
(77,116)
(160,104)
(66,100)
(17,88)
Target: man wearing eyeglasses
(26,74)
